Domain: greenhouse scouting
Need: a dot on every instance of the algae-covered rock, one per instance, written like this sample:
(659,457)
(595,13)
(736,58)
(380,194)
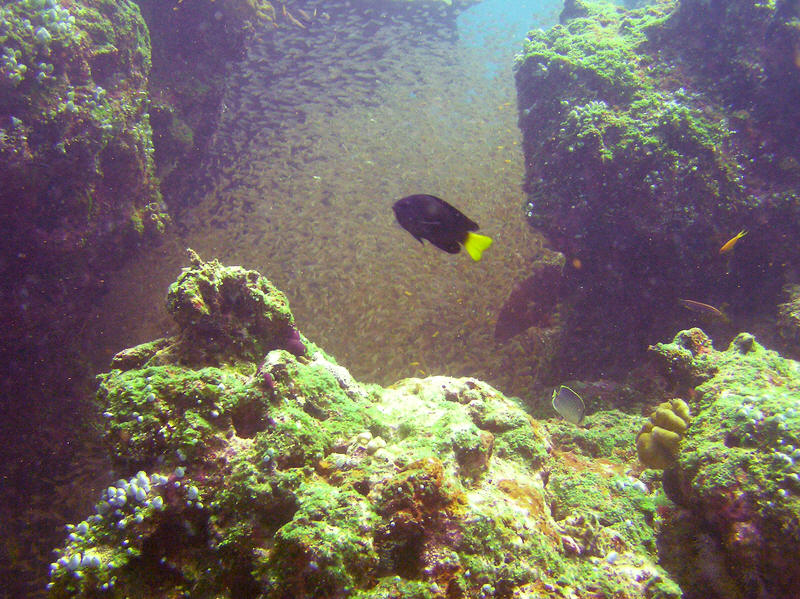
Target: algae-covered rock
(685,361)
(231,310)
(277,475)
(75,140)
(738,474)
(78,190)
(652,136)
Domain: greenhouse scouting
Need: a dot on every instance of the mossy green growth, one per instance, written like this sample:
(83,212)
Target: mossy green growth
(606,433)
(748,418)
(739,463)
(228,310)
(514,435)
(326,546)
(600,510)
(687,359)
(282,476)
(75,127)
(588,93)
(396,587)
(597,52)
(524,443)
(158,409)
(490,533)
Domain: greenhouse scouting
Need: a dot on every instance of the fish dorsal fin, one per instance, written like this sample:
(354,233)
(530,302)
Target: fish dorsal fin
(476,244)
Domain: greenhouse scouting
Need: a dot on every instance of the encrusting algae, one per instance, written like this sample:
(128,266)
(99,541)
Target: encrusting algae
(247,469)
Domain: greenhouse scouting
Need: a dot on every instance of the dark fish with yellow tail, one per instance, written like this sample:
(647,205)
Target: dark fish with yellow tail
(431,218)
(728,245)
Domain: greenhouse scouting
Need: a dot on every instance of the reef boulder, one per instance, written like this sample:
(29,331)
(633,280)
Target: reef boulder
(737,473)
(652,136)
(77,183)
(247,470)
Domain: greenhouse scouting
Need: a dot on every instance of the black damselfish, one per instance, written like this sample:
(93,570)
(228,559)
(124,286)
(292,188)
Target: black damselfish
(431,218)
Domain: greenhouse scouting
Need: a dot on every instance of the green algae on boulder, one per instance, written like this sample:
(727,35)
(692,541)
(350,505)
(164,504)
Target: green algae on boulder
(279,475)
(643,157)
(738,470)
(229,310)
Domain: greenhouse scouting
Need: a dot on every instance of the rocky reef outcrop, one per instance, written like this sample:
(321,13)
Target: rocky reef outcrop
(75,139)
(78,188)
(737,474)
(652,136)
(789,316)
(251,464)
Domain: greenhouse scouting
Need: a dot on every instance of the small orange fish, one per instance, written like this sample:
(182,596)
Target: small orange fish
(728,245)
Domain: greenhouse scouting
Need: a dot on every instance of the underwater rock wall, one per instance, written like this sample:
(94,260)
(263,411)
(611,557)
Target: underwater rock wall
(249,470)
(77,183)
(651,137)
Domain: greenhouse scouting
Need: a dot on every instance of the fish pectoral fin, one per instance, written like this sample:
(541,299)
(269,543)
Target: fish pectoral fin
(476,244)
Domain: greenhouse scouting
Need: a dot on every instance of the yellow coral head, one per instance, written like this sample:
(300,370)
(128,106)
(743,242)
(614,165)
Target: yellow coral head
(658,441)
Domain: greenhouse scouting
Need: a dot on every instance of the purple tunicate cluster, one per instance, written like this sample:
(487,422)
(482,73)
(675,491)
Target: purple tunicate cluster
(293,344)
(267,380)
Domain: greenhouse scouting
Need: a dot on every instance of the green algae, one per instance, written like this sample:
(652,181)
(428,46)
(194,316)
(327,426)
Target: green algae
(522,443)
(326,546)
(737,469)
(639,143)
(603,512)
(161,407)
(75,127)
(605,108)
(282,475)
(256,313)
(606,433)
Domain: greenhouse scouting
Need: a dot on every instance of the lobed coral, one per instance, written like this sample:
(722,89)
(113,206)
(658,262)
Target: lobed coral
(658,439)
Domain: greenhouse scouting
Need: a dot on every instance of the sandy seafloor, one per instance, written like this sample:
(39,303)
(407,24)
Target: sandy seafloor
(310,208)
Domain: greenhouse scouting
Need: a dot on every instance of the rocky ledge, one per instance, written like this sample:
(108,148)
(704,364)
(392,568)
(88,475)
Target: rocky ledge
(251,464)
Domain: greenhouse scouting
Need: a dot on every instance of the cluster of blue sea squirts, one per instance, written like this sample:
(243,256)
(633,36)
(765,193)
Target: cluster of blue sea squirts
(125,503)
(42,21)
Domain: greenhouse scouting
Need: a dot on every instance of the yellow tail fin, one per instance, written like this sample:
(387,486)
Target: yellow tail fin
(475,244)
